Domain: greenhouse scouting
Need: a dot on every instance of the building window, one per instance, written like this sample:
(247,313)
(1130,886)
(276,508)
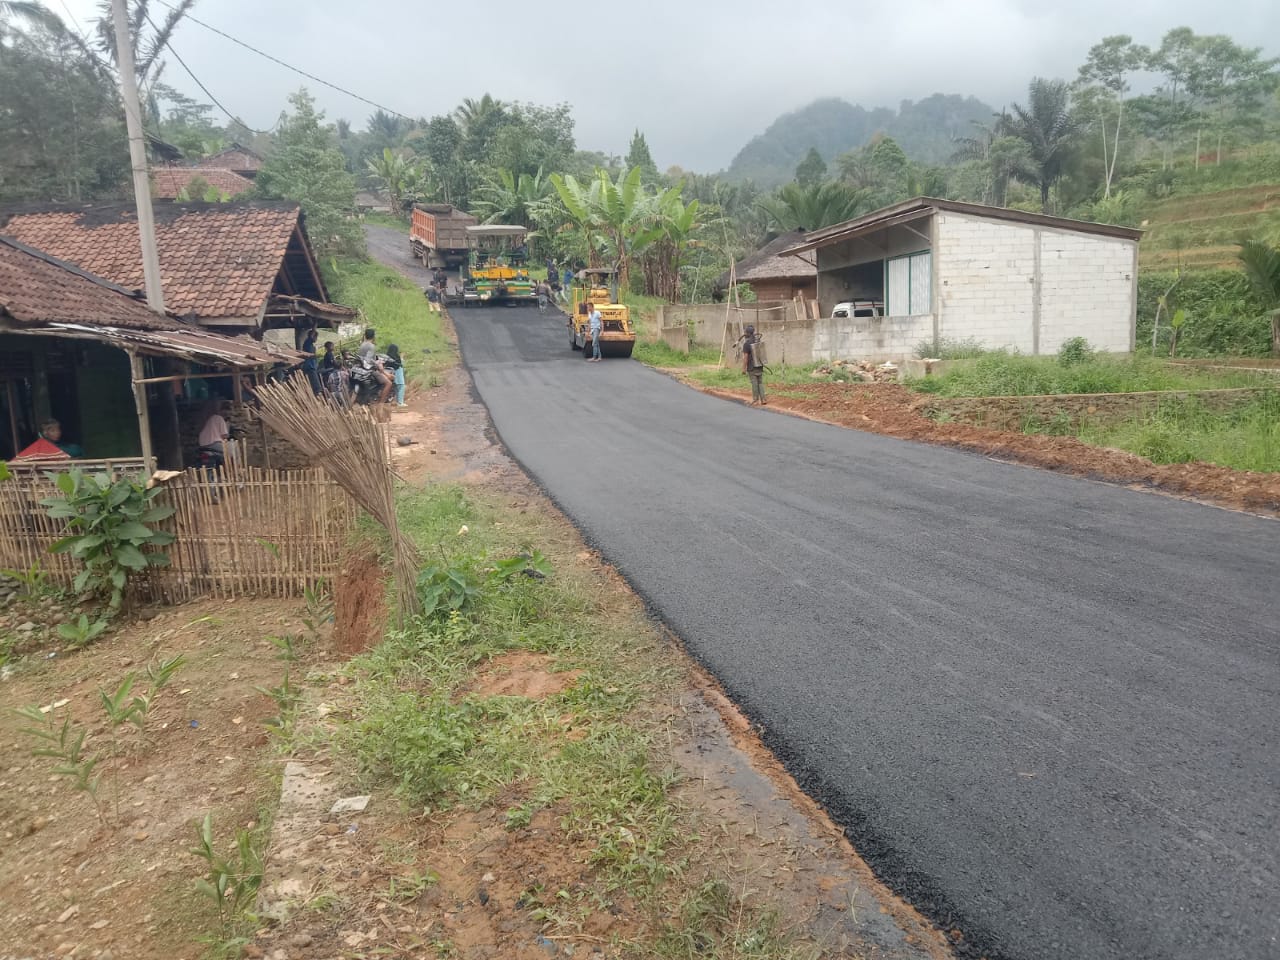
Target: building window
(908,285)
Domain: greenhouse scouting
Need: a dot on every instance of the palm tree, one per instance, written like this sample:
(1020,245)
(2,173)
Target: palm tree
(147,48)
(1048,129)
(608,210)
(33,13)
(796,207)
(1262,266)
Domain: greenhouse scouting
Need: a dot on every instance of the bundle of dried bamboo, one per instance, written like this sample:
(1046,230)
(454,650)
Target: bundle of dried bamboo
(352,449)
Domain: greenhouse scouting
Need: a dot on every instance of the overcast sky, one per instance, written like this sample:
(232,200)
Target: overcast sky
(698,77)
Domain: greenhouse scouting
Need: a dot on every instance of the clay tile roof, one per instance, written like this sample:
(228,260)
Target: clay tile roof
(235,157)
(217,260)
(168,182)
(37,289)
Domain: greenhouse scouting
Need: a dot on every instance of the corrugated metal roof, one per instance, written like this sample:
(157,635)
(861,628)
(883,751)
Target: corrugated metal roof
(924,206)
(200,346)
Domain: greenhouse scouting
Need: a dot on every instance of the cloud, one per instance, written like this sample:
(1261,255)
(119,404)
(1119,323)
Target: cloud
(699,77)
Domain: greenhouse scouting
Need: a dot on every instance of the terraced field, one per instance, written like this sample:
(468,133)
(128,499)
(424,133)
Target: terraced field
(1200,231)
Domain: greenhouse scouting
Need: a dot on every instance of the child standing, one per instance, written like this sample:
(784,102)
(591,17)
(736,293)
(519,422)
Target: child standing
(393,352)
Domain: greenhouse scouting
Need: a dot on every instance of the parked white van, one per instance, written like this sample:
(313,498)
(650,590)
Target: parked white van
(872,309)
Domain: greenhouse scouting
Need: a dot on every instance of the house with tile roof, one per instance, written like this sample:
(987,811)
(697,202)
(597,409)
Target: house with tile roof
(236,158)
(238,267)
(170,183)
(119,377)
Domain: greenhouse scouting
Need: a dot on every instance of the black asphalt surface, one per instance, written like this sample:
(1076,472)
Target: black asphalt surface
(1044,709)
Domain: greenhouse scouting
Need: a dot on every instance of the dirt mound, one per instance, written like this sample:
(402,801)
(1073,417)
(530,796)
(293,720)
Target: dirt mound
(895,411)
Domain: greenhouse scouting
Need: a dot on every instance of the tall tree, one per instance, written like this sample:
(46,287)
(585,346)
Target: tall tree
(61,126)
(306,167)
(1103,85)
(1048,129)
(1229,82)
(638,156)
(812,169)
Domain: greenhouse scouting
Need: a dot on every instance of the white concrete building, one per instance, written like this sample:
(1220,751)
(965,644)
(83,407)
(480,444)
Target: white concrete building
(942,270)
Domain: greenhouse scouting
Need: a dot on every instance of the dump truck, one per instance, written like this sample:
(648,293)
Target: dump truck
(497,267)
(598,286)
(438,232)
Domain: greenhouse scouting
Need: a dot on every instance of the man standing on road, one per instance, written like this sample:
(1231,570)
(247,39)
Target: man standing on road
(544,294)
(596,326)
(566,283)
(433,296)
(753,364)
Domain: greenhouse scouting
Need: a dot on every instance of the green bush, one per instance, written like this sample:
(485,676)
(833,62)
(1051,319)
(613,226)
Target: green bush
(1223,318)
(1074,352)
(1010,375)
(107,530)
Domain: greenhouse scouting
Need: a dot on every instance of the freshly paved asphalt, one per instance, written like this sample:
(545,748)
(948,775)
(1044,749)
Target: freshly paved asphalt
(1044,709)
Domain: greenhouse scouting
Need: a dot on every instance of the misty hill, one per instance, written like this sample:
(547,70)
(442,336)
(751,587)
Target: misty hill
(924,130)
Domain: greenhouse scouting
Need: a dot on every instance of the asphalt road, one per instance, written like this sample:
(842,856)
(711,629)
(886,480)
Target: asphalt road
(1044,709)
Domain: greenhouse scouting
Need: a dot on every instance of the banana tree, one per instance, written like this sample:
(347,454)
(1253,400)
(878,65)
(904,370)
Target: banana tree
(670,226)
(506,198)
(397,175)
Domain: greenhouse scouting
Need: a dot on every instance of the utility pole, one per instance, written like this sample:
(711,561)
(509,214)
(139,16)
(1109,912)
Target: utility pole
(138,157)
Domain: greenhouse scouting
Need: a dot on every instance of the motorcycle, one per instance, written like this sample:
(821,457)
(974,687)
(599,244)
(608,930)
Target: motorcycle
(364,385)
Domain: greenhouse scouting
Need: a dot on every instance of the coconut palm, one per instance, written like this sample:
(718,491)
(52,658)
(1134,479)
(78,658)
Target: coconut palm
(33,13)
(1049,130)
(147,46)
(1262,266)
(796,207)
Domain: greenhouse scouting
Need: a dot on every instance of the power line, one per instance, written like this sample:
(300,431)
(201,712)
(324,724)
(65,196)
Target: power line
(218,103)
(288,66)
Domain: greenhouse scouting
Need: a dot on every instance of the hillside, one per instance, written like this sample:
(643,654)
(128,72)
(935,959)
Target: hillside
(1201,231)
(925,131)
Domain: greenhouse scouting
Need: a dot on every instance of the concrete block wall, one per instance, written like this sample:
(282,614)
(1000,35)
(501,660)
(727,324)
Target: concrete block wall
(1086,290)
(862,338)
(986,290)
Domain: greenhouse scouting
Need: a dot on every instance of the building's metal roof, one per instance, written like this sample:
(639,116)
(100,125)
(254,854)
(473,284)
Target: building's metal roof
(920,207)
(195,345)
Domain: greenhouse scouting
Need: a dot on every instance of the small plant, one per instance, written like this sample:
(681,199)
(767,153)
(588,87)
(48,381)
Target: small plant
(230,881)
(109,533)
(444,589)
(531,563)
(319,603)
(80,633)
(1074,352)
(33,580)
(1176,323)
(286,645)
(66,745)
(286,697)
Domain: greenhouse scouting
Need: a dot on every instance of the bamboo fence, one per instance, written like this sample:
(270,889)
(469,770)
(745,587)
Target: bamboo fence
(240,531)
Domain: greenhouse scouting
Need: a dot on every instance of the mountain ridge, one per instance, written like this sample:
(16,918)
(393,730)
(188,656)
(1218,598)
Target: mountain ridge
(925,129)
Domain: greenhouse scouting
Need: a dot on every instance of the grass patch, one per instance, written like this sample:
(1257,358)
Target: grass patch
(387,220)
(659,354)
(423,732)
(1183,431)
(1010,375)
(396,308)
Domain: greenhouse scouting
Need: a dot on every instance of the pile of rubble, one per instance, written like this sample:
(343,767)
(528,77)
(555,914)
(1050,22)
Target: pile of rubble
(857,371)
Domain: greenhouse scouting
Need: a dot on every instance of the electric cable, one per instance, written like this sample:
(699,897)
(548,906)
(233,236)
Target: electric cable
(289,66)
(218,103)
